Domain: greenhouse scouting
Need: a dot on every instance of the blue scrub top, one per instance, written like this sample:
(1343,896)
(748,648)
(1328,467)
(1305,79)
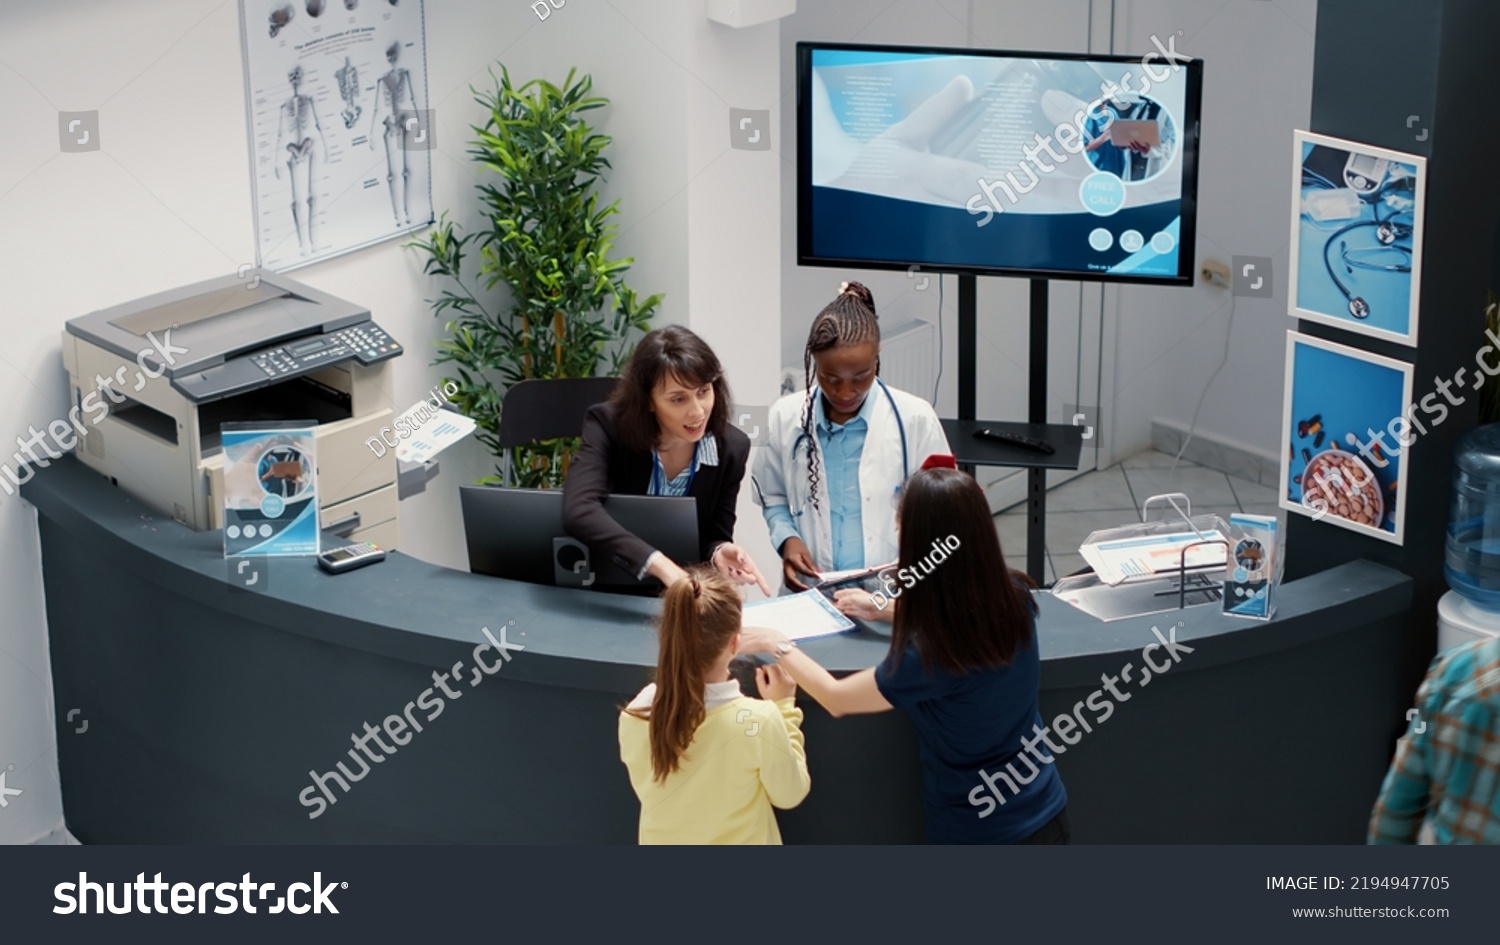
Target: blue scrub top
(843,444)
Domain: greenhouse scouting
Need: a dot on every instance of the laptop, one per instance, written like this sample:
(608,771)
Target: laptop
(518,534)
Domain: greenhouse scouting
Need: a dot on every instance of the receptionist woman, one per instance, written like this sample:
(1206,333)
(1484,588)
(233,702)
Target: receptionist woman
(665,431)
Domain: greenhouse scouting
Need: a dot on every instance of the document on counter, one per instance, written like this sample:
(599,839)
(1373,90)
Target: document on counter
(1114,561)
(803,616)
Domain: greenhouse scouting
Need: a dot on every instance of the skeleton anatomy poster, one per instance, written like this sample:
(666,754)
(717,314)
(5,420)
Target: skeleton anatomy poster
(340,125)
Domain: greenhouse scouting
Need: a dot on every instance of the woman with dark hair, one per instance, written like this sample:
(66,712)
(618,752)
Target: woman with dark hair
(963,664)
(664,431)
(838,454)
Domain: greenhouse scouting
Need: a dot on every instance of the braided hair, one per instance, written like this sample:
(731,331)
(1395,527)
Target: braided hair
(849,319)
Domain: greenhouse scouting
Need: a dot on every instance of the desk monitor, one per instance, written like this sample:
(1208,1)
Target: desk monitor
(518,534)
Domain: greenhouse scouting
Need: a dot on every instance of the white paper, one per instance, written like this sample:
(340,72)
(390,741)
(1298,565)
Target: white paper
(1116,560)
(441,429)
(800,616)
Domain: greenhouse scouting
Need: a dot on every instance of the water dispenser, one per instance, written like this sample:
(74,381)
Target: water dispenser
(1471,560)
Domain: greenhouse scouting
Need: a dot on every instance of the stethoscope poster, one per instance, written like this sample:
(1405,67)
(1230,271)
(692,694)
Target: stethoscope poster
(1346,429)
(1356,259)
(340,125)
(270,488)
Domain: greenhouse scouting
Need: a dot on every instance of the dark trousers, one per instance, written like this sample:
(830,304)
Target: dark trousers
(1056,830)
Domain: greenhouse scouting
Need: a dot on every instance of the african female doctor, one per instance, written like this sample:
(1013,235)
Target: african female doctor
(837,456)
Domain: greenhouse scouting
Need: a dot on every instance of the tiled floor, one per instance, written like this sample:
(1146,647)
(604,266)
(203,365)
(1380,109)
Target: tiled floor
(1109,497)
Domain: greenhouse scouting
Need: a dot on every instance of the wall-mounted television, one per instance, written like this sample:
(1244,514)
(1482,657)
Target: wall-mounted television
(998,163)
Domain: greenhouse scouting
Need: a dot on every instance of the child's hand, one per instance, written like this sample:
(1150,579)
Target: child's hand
(775,683)
(759,640)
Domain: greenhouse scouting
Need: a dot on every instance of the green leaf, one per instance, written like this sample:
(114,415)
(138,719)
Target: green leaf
(545,247)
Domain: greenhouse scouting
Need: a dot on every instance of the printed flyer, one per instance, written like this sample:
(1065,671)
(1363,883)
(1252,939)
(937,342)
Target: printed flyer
(270,488)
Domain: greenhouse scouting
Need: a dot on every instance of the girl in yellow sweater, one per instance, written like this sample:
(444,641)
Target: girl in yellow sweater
(707,762)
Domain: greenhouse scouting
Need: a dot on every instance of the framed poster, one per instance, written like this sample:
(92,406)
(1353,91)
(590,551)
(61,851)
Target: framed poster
(1346,425)
(340,125)
(1356,258)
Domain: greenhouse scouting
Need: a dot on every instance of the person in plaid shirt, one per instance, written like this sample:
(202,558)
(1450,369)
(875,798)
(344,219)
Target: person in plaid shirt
(1447,766)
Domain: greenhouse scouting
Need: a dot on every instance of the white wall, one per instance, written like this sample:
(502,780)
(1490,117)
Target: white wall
(734,255)
(1257,89)
(166,202)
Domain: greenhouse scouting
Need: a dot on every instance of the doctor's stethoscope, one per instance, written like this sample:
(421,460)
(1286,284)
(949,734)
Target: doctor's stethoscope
(1394,254)
(804,437)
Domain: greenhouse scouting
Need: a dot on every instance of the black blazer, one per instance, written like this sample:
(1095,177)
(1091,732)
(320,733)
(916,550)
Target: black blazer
(605,465)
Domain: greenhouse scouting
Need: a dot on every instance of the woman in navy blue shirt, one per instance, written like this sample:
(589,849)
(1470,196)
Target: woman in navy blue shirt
(963,665)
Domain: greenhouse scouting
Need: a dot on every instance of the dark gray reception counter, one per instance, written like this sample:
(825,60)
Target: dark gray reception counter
(210,708)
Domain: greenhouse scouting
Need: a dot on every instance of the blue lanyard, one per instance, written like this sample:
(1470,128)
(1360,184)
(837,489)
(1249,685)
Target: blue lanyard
(659,480)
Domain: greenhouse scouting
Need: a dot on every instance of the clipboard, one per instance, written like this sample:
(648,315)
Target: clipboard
(1122,131)
(861,579)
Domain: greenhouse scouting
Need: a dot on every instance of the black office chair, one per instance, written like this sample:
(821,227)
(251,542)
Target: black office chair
(548,409)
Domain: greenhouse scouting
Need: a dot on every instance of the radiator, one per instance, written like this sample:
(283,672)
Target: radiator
(908,358)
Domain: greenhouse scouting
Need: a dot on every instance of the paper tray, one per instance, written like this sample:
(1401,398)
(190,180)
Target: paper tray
(1140,597)
(1167,560)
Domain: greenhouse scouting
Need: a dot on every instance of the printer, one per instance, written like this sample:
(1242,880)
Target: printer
(257,346)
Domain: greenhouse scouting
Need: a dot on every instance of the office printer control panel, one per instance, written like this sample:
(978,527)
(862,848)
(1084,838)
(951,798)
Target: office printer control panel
(367,342)
(364,342)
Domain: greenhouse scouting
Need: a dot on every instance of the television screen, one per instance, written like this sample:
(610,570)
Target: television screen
(1001,163)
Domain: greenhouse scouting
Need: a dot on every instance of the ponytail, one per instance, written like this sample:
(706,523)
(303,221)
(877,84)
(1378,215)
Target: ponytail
(700,615)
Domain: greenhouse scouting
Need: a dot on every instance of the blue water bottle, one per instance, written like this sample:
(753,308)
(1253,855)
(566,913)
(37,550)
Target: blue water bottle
(1471,561)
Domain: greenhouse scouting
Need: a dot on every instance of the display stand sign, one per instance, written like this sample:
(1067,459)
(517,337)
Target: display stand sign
(1250,584)
(270,488)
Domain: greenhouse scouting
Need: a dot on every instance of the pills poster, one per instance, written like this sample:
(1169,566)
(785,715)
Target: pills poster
(1348,422)
(1356,257)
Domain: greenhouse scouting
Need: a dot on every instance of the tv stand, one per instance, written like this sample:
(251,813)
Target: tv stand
(1066,441)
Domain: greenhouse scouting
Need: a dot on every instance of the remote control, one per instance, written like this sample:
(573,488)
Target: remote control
(349,557)
(1015,439)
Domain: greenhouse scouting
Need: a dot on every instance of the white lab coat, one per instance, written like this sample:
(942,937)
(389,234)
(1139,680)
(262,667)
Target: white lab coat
(780,477)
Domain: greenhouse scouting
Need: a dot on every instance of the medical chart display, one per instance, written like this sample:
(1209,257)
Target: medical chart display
(1356,258)
(1347,424)
(1060,166)
(341,128)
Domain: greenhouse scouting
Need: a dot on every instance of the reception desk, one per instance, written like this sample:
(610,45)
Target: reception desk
(210,706)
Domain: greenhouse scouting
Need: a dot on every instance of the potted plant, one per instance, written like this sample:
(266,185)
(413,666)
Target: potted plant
(549,242)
